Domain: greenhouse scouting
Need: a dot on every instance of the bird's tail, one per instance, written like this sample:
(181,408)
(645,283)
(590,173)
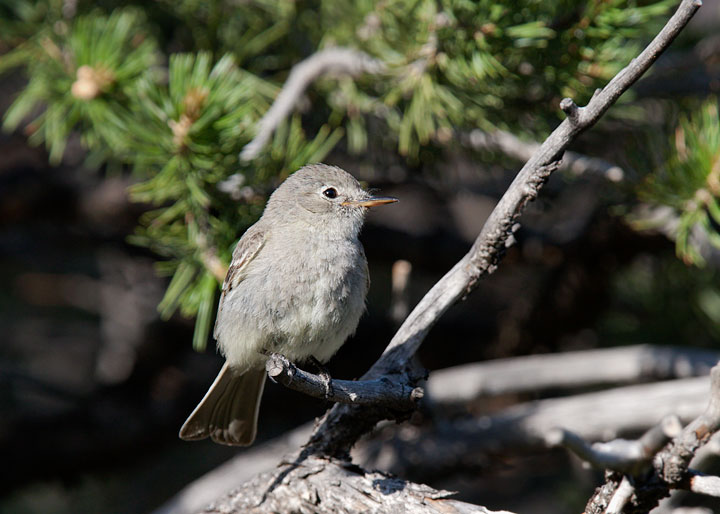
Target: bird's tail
(228,413)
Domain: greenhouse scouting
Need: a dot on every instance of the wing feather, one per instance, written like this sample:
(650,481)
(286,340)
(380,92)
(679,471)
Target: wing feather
(246,250)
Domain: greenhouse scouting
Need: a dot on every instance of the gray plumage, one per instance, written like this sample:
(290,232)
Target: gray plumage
(296,286)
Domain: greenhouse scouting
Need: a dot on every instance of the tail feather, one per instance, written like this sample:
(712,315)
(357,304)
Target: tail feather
(228,413)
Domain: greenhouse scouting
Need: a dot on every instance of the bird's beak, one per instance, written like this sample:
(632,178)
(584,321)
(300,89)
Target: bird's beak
(371,202)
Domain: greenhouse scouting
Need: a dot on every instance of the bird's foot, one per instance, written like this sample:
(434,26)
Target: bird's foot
(324,374)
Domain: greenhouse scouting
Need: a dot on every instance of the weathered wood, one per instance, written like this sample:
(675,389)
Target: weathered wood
(391,391)
(567,370)
(670,465)
(458,445)
(320,485)
(597,416)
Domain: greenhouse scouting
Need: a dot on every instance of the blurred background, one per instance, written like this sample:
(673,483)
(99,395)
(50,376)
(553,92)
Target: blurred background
(121,196)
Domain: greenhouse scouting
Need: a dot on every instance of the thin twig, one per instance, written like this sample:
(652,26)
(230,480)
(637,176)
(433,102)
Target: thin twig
(513,146)
(342,61)
(622,495)
(672,463)
(399,301)
(708,485)
(429,451)
(627,456)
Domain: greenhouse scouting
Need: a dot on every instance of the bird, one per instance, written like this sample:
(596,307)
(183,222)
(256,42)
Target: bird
(296,286)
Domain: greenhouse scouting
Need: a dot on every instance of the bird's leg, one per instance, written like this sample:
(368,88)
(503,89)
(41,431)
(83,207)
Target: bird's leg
(324,375)
(274,355)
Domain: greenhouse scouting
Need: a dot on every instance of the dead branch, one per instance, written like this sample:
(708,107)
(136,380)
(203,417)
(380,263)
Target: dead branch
(627,456)
(622,495)
(393,392)
(671,464)
(704,484)
(462,444)
(568,370)
(513,146)
(459,445)
(338,61)
(319,485)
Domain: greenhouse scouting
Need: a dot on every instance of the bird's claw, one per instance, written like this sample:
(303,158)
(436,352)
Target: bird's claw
(324,375)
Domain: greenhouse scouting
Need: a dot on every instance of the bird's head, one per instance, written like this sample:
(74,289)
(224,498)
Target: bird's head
(324,195)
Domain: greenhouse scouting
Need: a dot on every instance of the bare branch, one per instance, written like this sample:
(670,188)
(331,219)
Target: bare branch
(672,463)
(627,456)
(432,451)
(513,146)
(622,495)
(393,392)
(567,370)
(332,486)
(705,484)
(597,416)
(341,61)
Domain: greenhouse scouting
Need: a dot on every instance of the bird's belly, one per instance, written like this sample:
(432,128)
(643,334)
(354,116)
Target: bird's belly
(312,314)
(319,317)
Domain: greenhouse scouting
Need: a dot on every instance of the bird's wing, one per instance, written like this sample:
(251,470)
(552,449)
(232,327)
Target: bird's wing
(246,250)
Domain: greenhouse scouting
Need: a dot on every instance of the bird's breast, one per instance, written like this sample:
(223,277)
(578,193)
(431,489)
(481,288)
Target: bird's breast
(301,297)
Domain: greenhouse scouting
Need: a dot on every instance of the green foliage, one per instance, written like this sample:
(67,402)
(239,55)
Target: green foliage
(459,64)
(82,73)
(95,69)
(688,180)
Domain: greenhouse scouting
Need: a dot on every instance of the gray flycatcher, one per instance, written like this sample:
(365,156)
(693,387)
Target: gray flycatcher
(296,286)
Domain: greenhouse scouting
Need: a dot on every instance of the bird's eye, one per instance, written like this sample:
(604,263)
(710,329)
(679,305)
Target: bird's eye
(330,192)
